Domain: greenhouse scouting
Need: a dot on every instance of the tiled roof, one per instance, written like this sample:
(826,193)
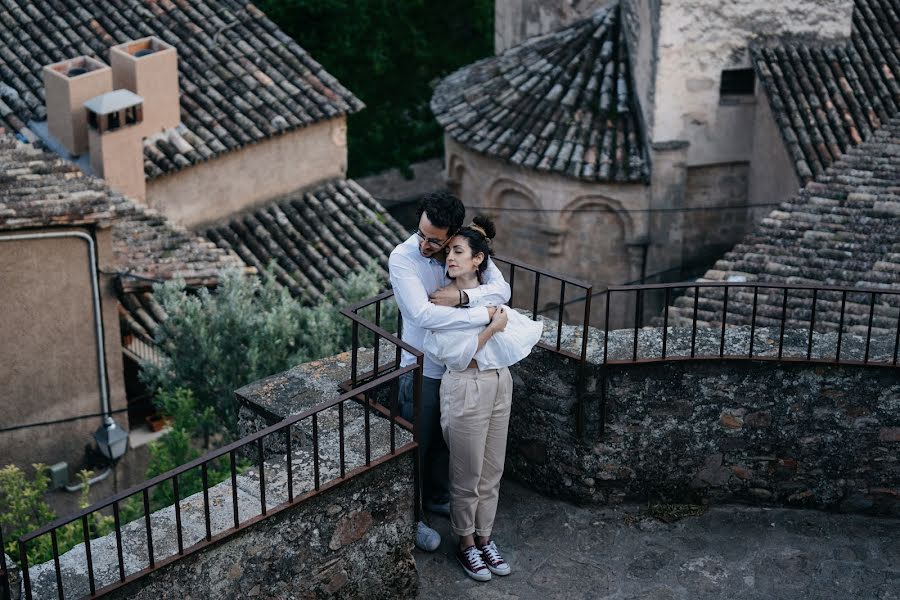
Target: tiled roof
(39,189)
(826,100)
(314,236)
(563,102)
(842,229)
(242,79)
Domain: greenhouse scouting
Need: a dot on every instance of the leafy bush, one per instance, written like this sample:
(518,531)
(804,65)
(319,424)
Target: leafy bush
(389,53)
(247,329)
(177,447)
(26,510)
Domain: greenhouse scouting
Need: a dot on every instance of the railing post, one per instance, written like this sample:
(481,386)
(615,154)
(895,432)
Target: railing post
(418,380)
(582,368)
(5,594)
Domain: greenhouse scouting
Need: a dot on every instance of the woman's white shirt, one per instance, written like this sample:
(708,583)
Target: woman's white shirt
(456,348)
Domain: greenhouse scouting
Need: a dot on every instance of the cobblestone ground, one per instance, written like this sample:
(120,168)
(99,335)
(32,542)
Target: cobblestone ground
(559,550)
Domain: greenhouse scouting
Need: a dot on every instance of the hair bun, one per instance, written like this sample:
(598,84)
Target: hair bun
(487,225)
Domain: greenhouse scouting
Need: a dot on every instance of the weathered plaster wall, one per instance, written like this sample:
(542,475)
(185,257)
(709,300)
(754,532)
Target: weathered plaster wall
(48,358)
(239,180)
(700,38)
(716,198)
(772,175)
(593,231)
(518,20)
(800,435)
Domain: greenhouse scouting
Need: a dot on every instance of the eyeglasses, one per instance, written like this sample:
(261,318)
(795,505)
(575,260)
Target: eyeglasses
(431,242)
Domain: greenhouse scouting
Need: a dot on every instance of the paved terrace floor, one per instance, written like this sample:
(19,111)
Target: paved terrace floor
(560,550)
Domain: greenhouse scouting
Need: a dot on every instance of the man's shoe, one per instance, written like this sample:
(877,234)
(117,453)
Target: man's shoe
(440,508)
(472,563)
(494,560)
(427,539)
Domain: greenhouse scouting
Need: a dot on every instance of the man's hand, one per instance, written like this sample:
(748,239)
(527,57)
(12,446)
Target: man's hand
(491,311)
(446,296)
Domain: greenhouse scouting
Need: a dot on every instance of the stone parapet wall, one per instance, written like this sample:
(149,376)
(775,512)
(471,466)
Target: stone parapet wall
(353,539)
(716,430)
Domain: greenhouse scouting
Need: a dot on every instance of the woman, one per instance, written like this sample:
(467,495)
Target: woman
(476,395)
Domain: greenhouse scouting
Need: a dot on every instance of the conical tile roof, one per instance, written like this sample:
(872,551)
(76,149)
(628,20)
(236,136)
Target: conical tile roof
(563,102)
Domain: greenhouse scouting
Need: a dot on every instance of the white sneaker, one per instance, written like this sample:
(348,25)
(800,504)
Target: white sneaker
(427,539)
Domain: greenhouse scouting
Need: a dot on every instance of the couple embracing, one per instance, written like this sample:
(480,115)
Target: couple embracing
(453,302)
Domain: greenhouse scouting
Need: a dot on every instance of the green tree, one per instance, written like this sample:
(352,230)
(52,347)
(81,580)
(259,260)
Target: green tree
(247,329)
(389,53)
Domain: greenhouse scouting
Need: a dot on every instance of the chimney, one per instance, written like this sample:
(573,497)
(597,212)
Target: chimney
(149,68)
(68,84)
(115,125)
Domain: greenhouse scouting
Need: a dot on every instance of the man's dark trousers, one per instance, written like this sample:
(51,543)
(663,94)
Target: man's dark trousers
(435,457)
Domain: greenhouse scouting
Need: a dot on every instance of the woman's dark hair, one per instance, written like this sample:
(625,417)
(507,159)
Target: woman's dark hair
(478,241)
(444,210)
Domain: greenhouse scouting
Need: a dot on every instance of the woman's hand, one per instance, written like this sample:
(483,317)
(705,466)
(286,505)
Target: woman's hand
(500,319)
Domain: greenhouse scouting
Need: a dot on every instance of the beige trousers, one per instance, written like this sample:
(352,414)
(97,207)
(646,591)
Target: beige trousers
(475,409)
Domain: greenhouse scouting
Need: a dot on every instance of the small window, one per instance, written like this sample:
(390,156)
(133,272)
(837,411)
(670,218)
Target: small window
(92,119)
(737,82)
(131,115)
(114,121)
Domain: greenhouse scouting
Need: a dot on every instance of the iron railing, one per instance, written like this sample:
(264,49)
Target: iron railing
(255,443)
(796,301)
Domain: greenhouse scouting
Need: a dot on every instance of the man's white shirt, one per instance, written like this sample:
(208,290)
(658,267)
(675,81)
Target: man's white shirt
(414,278)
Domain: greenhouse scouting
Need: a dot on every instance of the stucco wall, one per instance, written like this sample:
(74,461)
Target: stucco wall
(48,360)
(518,20)
(245,178)
(772,175)
(593,231)
(716,198)
(700,38)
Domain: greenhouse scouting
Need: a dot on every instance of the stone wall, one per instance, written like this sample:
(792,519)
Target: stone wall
(716,198)
(352,542)
(713,431)
(517,20)
(698,39)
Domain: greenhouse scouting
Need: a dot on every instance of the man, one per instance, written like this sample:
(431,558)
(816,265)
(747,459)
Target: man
(418,277)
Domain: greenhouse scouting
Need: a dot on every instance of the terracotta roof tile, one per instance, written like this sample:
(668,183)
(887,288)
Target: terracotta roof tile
(843,229)
(826,100)
(563,102)
(313,237)
(242,79)
(39,189)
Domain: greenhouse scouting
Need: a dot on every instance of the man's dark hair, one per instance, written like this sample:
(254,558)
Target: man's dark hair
(444,210)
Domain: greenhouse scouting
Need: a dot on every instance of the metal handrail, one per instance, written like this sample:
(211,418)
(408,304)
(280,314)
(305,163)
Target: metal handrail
(641,290)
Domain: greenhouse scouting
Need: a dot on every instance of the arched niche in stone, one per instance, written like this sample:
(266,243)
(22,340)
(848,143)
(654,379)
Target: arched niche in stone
(456,172)
(517,214)
(597,234)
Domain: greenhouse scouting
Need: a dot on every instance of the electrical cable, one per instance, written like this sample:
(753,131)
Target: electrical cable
(58,421)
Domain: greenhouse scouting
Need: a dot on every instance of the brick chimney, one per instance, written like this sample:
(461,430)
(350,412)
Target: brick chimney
(68,84)
(115,125)
(149,68)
